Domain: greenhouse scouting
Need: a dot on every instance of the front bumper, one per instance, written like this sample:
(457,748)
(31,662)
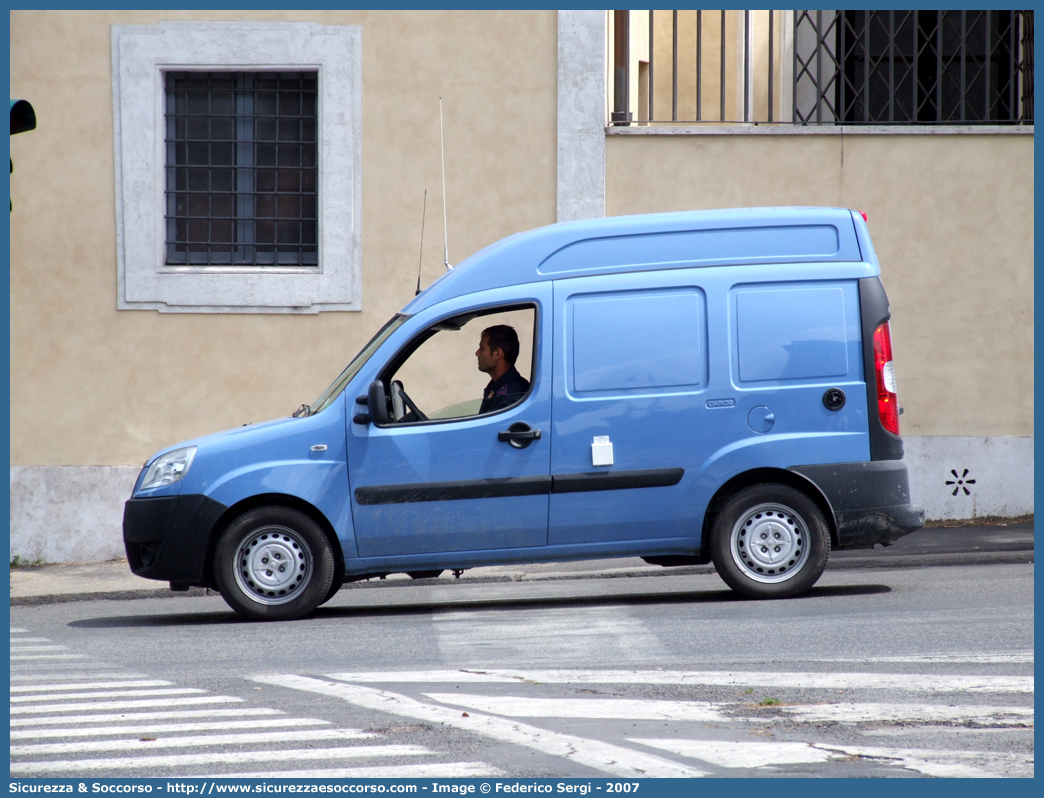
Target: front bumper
(870,501)
(166,538)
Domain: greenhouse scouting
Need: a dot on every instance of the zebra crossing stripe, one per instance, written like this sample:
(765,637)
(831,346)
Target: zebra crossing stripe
(20,649)
(119,717)
(111,685)
(924,714)
(26,699)
(151,763)
(932,683)
(944,764)
(648,709)
(19,640)
(34,676)
(1017,657)
(16,630)
(164,728)
(596,754)
(199,741)
(47,656)
(601,708)
(436,770)
(743,754)
(148,702)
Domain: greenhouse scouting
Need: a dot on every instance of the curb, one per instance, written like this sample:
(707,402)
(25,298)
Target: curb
(841,563)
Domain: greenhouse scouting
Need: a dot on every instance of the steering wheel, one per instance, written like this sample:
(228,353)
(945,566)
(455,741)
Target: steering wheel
(401,401)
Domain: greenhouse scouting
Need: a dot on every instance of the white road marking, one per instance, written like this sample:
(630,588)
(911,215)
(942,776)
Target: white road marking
(47,656)
(953,731)
(164,728)
(21,640)
(20,649)
(438,770)
(34,676)
(945,764)
(48,670)
(932,683)
(746,754)
(110,685)
(970,659)
(925,714)
(619,708)
(424,677)
(25,699)
(199,741)
(16,630)
(131,717)
(148,702)
(596,754)
(147,763)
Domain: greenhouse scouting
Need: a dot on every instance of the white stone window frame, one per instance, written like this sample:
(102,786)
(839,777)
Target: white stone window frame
(141,54)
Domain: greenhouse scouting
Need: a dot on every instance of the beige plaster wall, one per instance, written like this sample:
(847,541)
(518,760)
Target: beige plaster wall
(94,386)
(952,222)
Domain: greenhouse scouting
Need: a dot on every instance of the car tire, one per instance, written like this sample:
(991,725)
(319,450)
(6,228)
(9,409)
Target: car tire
(273,564)
(334,587)
(770,541)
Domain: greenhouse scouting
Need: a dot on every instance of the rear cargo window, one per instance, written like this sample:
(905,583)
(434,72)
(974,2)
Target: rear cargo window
(793,332)
(638,341)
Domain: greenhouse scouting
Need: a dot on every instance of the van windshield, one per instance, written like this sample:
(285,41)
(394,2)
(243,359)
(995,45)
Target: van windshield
(357,363)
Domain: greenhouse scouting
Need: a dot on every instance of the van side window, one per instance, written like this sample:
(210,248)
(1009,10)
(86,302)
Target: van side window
(454,371)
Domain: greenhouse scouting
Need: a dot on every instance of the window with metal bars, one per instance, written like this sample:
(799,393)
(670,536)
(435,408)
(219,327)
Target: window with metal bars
(913,67)
(241,170)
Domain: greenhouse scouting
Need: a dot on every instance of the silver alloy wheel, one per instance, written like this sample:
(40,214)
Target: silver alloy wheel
(273,565)
(770,543)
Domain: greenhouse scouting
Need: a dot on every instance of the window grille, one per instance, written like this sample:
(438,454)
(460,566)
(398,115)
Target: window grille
(913,67)
(821,67)
(241,182)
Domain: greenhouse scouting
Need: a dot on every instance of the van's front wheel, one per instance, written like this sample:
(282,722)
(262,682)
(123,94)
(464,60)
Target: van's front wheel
(273,564)
(770,541)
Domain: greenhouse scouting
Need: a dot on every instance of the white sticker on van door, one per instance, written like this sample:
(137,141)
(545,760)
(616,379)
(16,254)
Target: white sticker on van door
(602,451)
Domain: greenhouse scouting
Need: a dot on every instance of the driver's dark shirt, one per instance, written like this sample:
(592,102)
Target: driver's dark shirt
(504,392)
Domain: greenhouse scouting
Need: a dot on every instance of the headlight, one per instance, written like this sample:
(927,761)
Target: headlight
(168,468)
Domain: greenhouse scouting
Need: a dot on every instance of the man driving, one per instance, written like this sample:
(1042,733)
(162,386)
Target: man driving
(497,353)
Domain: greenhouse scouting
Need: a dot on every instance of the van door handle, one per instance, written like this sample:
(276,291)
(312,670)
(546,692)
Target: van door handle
(519,435)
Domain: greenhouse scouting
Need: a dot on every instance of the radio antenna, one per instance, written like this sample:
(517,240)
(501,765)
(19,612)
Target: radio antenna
(445,229)
(421,260)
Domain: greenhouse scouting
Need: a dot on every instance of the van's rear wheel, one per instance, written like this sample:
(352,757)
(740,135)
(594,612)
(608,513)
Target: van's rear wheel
(273,564)
(770,541)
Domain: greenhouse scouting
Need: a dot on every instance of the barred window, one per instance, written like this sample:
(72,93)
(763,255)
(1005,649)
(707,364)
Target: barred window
(913,67)
(241,172)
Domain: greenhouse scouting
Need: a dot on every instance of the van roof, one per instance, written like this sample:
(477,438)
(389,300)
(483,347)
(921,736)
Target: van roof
(729,237)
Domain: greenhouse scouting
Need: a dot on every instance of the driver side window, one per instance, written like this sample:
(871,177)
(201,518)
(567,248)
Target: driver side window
(457,372)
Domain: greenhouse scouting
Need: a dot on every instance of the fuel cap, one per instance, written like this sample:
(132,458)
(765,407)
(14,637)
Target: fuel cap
(761,419)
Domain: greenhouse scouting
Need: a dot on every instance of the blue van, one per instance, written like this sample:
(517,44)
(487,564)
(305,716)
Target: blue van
(712,386)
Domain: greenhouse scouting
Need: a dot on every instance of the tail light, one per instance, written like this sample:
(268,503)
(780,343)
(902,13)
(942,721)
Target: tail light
(887,403)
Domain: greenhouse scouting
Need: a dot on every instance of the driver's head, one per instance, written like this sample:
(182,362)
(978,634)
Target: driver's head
(498,350)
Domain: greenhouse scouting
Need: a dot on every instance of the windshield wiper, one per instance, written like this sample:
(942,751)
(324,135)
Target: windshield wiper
(303,410)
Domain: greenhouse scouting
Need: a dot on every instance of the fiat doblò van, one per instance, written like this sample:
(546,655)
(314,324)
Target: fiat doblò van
(702,387)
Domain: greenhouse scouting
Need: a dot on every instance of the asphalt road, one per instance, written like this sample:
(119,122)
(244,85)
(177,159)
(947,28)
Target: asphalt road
(876,672)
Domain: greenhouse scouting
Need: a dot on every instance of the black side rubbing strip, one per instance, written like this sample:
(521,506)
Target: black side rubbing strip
(517,486)
(449,491)
(616,480)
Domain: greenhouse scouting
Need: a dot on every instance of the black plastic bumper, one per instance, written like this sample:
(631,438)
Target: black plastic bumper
(166,538)
(870,501)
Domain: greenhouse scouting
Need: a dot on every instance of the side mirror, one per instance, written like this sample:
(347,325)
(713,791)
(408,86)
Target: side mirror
(377,403)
